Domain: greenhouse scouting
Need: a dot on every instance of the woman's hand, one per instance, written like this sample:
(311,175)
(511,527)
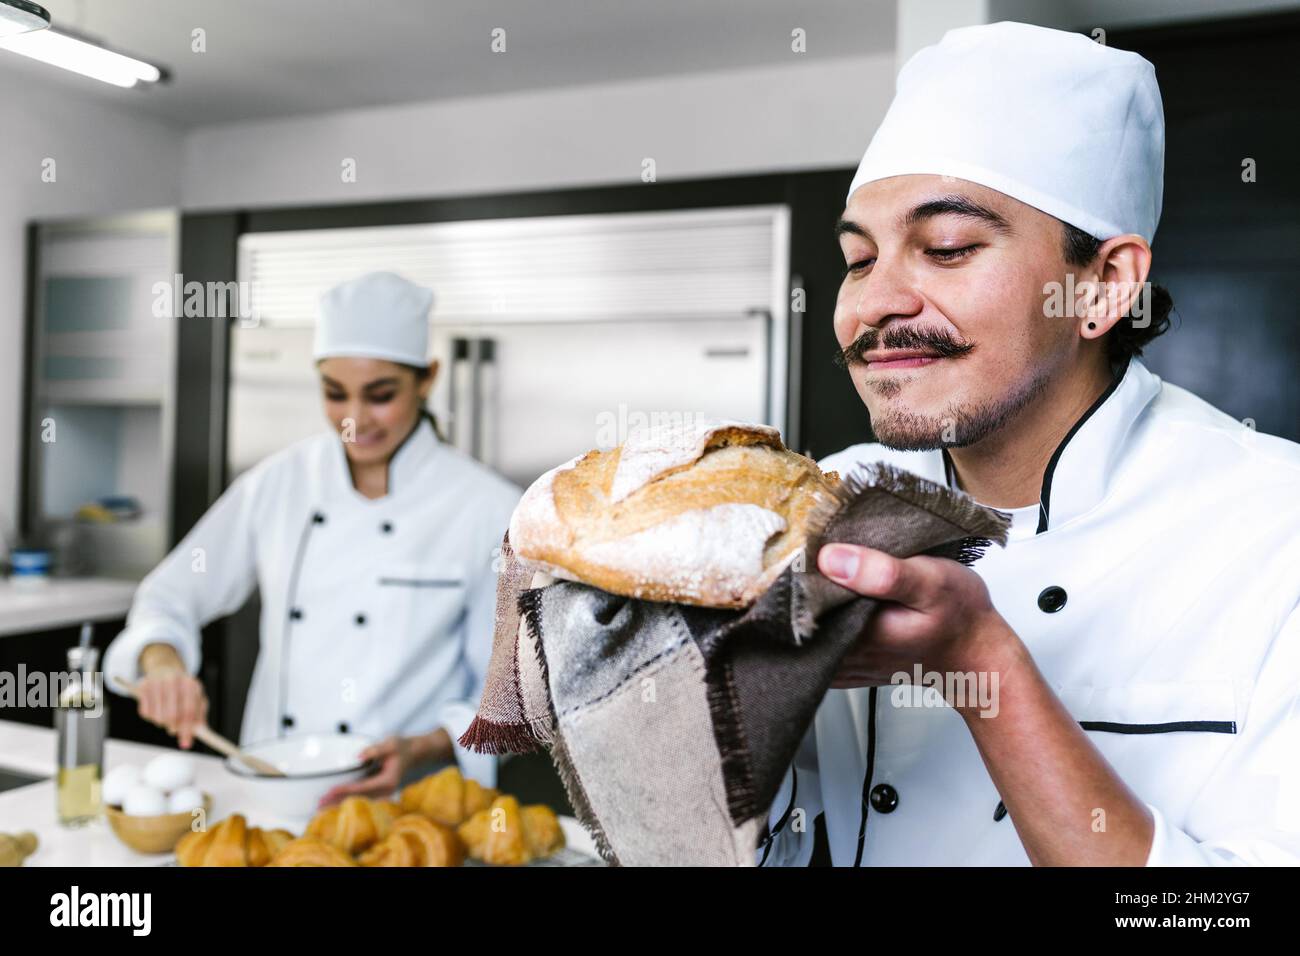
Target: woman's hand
(934,612)
(168,696)
(395,755)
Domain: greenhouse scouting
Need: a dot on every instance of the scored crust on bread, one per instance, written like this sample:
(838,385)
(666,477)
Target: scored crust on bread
(703,512)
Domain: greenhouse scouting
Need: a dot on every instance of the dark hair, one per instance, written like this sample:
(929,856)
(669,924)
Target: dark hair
(1126,339)
(421,373)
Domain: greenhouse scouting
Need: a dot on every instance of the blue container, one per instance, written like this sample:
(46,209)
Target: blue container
(30,563)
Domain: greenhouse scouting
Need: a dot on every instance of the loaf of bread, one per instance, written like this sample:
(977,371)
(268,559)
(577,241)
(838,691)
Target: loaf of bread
(701,512)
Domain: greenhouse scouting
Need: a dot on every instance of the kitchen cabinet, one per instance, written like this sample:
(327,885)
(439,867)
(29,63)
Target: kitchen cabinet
(101,383)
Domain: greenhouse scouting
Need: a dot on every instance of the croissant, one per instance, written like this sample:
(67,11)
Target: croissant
(416,841)
(446,797)
(232,842)
(353,825)
(506,835)
(311,851)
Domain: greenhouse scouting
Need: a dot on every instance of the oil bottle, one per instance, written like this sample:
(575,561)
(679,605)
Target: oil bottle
(81,720)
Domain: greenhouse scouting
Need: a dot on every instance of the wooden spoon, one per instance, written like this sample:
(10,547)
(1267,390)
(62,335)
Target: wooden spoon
(220,744)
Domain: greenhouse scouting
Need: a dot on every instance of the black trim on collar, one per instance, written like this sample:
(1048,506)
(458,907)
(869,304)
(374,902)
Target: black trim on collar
(1045,495)
(1169,727)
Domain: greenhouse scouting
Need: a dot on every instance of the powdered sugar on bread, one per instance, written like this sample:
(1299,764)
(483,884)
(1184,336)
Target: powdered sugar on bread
(651,452)
(712,555)
(708,513)
(535,523)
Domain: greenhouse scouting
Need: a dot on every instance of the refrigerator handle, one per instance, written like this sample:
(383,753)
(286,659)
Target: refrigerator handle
(485,413)
(773,412)
(461,401)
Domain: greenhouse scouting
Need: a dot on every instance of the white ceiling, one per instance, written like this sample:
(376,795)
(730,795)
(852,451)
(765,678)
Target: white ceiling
(270,58)
(280,57)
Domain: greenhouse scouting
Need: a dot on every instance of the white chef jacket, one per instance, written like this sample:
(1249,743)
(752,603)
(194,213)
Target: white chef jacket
(1171,532)
(377,614)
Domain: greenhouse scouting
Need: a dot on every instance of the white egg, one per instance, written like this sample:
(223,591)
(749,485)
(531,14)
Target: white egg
(169,772)
(144,801)
(118,781)
(184,800)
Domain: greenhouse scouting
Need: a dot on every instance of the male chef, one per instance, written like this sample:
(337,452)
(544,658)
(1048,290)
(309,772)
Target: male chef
(1118,685)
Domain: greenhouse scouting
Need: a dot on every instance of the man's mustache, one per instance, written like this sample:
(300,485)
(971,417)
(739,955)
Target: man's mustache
(900,337)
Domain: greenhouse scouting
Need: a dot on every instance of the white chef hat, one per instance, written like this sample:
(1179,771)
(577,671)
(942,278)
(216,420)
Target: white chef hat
(379,315)
(1054,119)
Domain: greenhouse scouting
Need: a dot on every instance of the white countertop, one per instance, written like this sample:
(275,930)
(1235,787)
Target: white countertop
(31,750)
(62,602)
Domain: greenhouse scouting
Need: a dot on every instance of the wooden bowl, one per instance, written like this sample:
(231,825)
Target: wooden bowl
(153,834)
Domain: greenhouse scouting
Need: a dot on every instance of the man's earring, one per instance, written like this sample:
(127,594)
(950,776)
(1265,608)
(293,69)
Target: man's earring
(1092,325)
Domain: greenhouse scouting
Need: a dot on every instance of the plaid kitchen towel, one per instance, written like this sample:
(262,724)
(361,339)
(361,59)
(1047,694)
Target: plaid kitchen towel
(672,726)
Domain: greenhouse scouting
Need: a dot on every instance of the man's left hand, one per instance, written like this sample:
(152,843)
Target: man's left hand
(934,612)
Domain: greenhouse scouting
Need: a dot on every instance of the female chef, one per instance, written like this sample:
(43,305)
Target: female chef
(1118,685)
(372,548)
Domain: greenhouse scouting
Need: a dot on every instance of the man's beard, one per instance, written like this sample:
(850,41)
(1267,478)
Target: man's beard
(958,427)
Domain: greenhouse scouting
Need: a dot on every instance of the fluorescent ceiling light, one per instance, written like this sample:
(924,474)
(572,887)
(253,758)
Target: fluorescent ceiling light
(19,16)
(81,56)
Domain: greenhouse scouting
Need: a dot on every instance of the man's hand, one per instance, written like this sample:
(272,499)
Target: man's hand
(934,612)
(937,613)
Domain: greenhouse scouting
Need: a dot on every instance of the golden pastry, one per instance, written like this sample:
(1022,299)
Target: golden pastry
(701,512)
(506,835)
(14,848)
(446,797)
(353,825)
(416,841)
(542,830)
(311,851)
(232,842)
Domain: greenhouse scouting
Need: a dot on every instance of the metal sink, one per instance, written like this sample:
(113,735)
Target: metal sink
(13,779)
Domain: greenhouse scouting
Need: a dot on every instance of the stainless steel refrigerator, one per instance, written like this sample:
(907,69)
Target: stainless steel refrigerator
(554,335)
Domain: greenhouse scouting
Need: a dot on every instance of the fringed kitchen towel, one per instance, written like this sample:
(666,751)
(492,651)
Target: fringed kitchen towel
(672,726)
(514,713)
